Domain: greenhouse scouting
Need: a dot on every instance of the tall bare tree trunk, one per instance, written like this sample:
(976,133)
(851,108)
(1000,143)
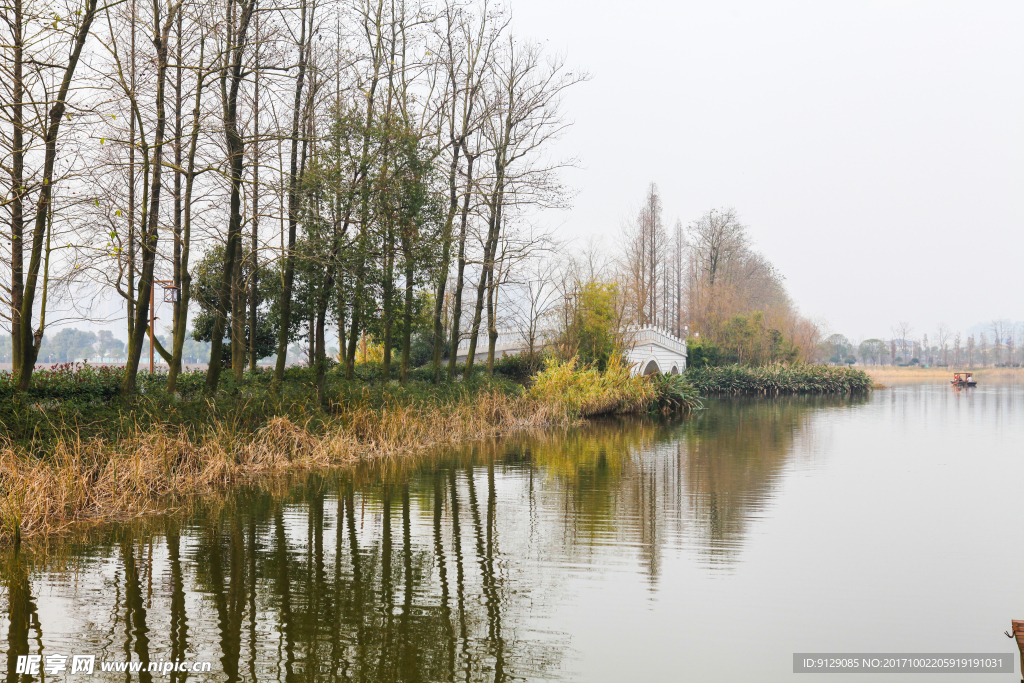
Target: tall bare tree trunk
(342,215)
(29,339)
(150,232)
(131,183)
(183,279)
(254,252)
(17,186)
(174,364)
(231,80)
(446,255)
(293,199)
(491,244)
(460,268)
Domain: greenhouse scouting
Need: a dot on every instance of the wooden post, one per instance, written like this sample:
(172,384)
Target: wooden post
(1018,635)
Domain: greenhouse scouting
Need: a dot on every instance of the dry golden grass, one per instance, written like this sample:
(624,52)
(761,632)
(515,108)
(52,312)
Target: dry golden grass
(88,480)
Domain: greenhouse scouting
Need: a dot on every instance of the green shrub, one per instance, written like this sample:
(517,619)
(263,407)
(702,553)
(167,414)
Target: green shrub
(701,353)
(519,367)
(69,382)
(675,393)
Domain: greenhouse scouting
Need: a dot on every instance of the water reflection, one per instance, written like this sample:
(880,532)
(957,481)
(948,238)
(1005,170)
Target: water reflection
(439,569)
(735,453)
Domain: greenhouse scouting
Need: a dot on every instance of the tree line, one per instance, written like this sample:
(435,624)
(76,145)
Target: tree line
(997,344)
(70,345)
(326,168)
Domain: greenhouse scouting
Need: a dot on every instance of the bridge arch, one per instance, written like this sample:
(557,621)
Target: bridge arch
(651,367)
(675,370)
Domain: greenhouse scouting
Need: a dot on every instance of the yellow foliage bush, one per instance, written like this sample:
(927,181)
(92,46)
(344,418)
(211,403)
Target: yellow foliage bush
(584,391)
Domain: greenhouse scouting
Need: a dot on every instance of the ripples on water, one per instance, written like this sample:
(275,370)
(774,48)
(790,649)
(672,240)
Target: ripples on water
(627,550)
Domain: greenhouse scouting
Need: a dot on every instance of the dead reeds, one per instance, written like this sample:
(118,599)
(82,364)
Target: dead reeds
(148,471)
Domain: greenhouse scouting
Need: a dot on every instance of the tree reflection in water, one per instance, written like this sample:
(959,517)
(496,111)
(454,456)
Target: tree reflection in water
(429,569)
(734,455)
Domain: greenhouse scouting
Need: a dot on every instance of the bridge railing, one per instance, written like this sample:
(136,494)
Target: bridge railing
(639,336)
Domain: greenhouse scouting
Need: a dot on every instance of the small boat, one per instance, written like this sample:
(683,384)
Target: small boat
(963,379)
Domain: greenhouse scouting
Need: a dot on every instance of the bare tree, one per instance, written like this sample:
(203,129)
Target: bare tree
(901,335)
(524,116)
(643,260)
(675,280)
(536,300)
(465,53)
(942,336)
(238,17)
(163,20)
(54,102)
(295,168)
(1000,332)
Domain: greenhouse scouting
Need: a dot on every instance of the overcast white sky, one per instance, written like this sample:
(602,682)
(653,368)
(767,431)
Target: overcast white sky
(869,146)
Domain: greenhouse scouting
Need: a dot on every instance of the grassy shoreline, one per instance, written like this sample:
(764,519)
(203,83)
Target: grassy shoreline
(73,452)
(145,472)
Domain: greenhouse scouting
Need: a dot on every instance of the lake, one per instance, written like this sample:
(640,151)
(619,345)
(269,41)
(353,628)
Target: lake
(709,548)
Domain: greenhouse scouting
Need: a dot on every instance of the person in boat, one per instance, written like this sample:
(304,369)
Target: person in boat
(970,378)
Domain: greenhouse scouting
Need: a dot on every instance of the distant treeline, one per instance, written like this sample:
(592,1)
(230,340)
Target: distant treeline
(71,344)
(997,344)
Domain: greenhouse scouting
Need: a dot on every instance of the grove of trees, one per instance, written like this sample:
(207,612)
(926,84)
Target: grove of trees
(705,281)
(319,169)
(300,181)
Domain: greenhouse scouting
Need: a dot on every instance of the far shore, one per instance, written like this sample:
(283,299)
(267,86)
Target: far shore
(159,367)
(889,373)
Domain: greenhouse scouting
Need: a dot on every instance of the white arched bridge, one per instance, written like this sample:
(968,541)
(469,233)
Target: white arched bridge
(651,350)
(656,350)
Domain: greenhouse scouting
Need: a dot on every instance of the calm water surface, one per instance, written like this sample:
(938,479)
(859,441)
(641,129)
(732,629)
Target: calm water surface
(706,549)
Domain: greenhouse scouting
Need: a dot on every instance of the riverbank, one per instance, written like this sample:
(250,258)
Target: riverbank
(73,451)
(146,471)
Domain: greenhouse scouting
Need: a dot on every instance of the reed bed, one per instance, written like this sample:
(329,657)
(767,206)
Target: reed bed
(153,468)
(774,380)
